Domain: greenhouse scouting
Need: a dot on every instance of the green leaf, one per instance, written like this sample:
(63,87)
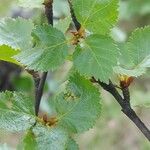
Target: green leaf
(45,138)
(137,54)
(63,24)
(16,112)
(30,3)
(16,32)
(28,142)
(72,145)
(50,138)
(138,45)
(6,54)
(79,107)
(97,16)
(50,50)
(96,57)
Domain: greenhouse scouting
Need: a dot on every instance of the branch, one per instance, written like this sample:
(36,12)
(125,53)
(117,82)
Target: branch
(39,92)
(73,16)
(39,84)
(49,10)
(125,105)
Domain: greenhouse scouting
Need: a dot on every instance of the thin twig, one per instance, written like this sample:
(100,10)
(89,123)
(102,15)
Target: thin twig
(73,16)
(36,78)
(40,84)
(126,107)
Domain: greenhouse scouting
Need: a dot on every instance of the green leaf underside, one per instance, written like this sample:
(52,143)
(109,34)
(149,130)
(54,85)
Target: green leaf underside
(6,54)
(98,16)
(53,138)
(124,57)
(16,112)
(30,3)
(50,51)
(137,50)
(138,45)
(129,72)
(79,107)
(16,33)
(96,57)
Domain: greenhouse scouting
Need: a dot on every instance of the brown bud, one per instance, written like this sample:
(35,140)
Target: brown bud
(125,81)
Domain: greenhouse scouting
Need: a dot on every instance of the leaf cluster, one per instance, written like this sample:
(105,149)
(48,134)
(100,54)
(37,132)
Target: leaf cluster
(43,47)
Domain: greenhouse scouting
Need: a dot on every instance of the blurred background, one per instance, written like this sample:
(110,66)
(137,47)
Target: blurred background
(113,130)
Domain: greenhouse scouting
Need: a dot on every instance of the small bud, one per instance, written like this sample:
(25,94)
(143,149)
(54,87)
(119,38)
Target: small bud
(78,35)
(125,81)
